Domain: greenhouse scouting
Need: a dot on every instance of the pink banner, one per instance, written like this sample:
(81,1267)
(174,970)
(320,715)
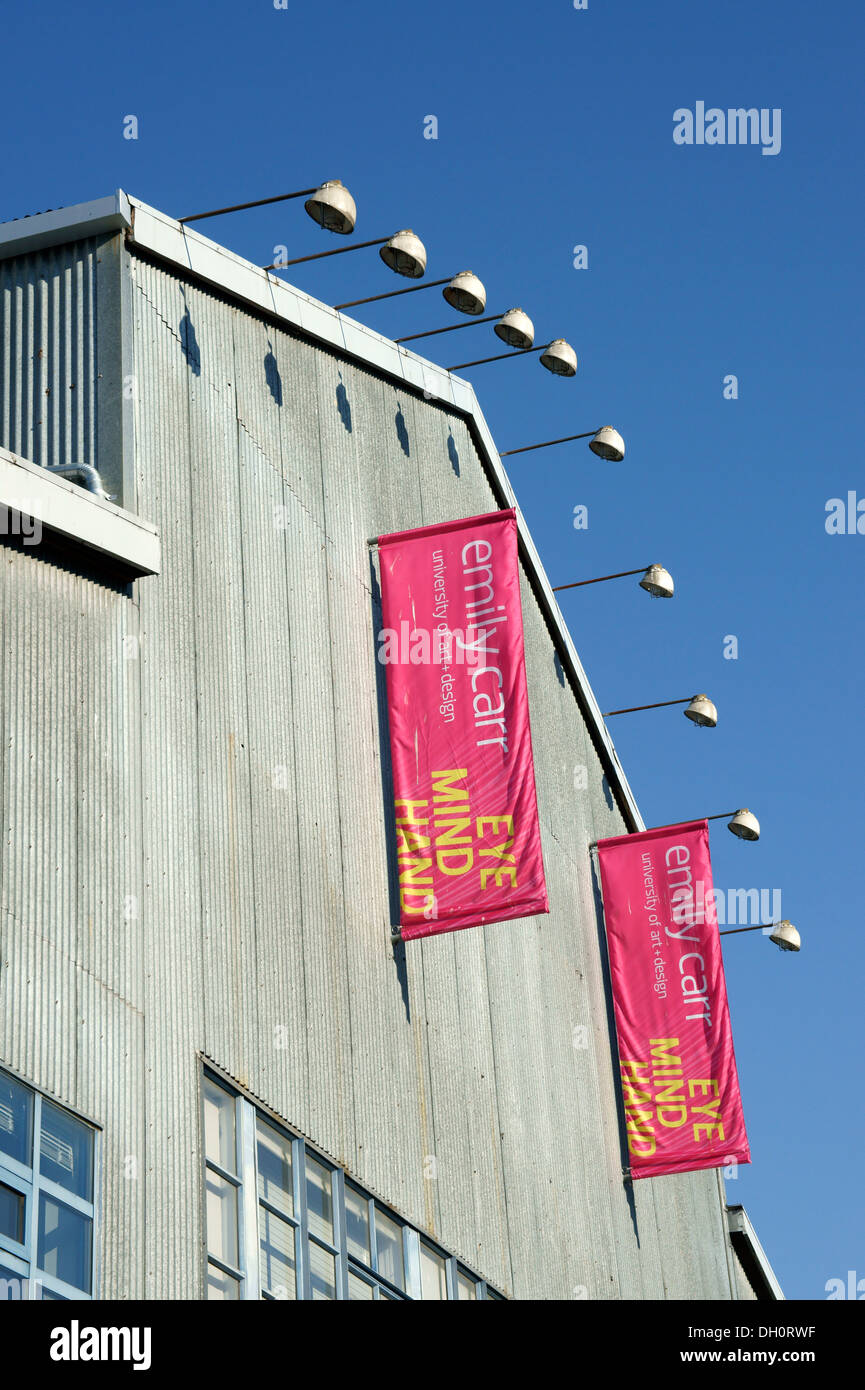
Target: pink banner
(683,1109)
(468,843)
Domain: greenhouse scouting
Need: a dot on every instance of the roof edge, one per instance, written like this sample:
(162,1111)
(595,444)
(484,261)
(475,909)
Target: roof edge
(63,225)
(752,1256)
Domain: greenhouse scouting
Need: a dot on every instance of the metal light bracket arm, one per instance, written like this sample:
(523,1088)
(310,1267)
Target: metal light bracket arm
(391,294)
(320,255)
(578,583)
(452,328)
(734,931)
(659,704)
(241,207)
(515,352)
(546,445)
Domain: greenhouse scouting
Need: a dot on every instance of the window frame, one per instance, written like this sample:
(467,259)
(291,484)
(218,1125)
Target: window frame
(249,1271)
(23,1258)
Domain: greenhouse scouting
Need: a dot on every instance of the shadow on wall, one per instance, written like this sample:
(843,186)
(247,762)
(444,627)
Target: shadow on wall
(387,788)
(342,404)
(60,553)
(188,341)
(453,452)
(560,674)
(402,432)
(271,374)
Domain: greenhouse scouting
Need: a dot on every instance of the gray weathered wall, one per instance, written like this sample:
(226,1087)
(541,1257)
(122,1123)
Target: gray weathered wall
(195,852)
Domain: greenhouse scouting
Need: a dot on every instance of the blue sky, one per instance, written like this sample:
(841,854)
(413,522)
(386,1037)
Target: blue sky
(555,129)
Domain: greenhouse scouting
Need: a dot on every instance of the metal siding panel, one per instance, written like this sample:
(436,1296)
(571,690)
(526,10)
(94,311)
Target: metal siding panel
(217,612)
(62,392)
(176,962)
(111,1062)
(328,1102)
(70,1016)
(394,1123)
(377,1141)
(48,371)
(270,514)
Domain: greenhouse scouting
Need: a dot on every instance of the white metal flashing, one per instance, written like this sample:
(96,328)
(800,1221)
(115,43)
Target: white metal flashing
(64,225)
(40,500)
(739,1225)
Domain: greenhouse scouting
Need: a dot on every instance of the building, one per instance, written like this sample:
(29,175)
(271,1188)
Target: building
(236,1082)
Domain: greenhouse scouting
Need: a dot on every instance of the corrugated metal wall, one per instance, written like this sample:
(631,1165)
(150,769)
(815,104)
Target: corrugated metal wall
(48,373)
(61,366)
(744,1287)
(232,778)
(71,944)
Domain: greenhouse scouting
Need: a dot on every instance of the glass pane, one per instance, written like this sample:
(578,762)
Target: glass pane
(221,1286)
(319,1199)
(16,1119)
(64,1242)
(12,1213)
(322,1272)
(278,1273)
(49,1296)
(357,1224)
(221,1218)
(433,1279)
(219,1140)
(388,1239)
(66,1151)
(359,1290)
(466,1287)
(275,1183)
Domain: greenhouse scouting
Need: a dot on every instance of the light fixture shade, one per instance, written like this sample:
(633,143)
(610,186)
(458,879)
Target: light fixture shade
(608,444)
(702,712)
(658,582)
(466,293)
(785,935)
(332,207)
(405,253)
(746,826)
(516,329)
(559,358)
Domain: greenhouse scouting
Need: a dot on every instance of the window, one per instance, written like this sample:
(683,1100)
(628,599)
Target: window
(46,1197)
(283,1222)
